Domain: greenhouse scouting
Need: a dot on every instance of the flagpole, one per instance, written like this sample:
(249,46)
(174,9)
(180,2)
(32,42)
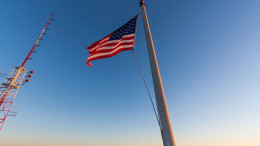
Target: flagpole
(167,134)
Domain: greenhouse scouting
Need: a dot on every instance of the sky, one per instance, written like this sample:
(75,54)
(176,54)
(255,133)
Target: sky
(208,54)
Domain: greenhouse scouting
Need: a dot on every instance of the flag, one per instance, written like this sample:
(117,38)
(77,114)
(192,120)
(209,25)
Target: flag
(119,40)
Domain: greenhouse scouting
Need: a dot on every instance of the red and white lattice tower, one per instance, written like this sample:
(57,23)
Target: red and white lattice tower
(12,83)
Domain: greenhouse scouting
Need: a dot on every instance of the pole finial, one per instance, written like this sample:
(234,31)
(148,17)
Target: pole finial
(141,2)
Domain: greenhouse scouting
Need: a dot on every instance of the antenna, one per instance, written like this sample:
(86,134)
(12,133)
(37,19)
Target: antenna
(13,81)
(39,38)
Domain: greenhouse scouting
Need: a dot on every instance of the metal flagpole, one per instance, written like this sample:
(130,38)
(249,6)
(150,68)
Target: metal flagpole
(167,134)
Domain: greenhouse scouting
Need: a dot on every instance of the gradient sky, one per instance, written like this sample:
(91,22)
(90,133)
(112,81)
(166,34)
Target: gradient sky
(208,53)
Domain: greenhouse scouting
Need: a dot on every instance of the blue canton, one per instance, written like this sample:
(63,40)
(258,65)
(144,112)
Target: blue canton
(128,28)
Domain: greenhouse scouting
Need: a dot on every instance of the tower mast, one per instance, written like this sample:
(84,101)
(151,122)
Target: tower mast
(12,83)
(39,38)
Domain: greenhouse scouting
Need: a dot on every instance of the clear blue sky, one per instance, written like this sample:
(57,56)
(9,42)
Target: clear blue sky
(208,53)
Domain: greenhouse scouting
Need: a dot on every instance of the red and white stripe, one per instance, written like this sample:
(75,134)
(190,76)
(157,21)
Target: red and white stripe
(105,48)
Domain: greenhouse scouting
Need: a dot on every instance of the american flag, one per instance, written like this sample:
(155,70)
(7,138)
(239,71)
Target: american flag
(120,40)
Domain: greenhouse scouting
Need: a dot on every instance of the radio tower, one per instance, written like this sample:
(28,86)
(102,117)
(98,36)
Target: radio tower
(14,80)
